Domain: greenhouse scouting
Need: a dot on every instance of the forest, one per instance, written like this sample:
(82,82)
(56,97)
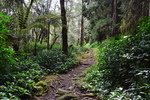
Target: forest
(85,49)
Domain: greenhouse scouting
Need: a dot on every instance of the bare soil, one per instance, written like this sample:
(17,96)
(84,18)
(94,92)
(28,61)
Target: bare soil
(67,83)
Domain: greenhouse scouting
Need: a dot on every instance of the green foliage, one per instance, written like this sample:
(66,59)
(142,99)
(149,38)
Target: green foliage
(41,88)
(93,45)
(98,13)
(3,20)
(56,47)
(54,61)
(20,80)
(6,54)
(18,76)
(39,47)
(130,16)
(124,64)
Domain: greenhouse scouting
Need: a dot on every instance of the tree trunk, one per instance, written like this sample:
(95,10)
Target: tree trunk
(112,8)
(35,45)
(55,38)
(116,18)
(149,8)
(64,28)
(145,8)
(82,30)
(48,34)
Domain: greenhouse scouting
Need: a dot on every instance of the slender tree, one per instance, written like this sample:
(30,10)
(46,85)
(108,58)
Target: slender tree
(116,19)
(82,29)
(64,28)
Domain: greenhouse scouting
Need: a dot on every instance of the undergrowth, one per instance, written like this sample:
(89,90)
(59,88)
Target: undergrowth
(54,61)
(21,71)
(123,68)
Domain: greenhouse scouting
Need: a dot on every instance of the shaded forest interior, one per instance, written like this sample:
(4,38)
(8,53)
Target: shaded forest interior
(46,37)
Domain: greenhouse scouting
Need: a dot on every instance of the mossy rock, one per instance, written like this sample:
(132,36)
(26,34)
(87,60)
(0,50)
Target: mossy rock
(51,78)
(62,92)
(41,88)
(88,95)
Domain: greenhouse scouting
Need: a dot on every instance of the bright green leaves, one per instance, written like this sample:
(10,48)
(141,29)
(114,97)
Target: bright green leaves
(19,79)
(3,20)
(17,76)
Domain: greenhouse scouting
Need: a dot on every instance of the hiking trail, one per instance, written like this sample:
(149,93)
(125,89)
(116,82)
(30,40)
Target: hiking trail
(65,87)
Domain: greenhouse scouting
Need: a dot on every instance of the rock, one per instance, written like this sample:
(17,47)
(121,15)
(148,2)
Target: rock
(61,92)
(70,88)
(74,78)
(68,97)
(41,88)
(88,95)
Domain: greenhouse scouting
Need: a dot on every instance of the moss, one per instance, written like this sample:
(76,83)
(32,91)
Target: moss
(41,88)
(51,78)
(88,95)
(62,92)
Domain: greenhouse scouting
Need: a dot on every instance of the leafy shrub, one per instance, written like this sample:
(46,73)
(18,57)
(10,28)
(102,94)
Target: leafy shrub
(123,63)
(20,80)
(56,47)
(6,54)
(17,77)
(39,47)
(78,49)
(54,61)
(3,20)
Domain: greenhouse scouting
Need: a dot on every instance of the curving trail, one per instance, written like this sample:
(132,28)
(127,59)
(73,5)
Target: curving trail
(65,87)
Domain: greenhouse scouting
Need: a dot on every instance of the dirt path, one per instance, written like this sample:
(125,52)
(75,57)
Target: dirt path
(65,87)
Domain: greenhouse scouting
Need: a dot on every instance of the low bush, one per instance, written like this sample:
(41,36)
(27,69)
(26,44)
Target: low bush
(123,68)
(54,61)
(17,76)
(19,82)
(31,47)
(56,47)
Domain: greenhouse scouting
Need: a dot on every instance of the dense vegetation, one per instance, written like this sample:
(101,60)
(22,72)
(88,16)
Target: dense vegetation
(21,71)
(42,37)
(123,68)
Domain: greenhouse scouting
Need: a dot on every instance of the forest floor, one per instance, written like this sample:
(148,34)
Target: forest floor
(65,86)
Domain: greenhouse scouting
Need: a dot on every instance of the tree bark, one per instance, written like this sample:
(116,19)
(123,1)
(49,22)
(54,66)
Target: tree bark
(145,8)
(82,29)
(116,18)
(35,45)
(64,28)
(48,34)
(149,9)
(55,38)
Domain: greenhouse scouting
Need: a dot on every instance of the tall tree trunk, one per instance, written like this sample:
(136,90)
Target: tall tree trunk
(64,28)
(35,45)
(55,38)
(48,34)
(116,18)
(145,8)
(112,8)
(149,9)
(82,31)
(82,28)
